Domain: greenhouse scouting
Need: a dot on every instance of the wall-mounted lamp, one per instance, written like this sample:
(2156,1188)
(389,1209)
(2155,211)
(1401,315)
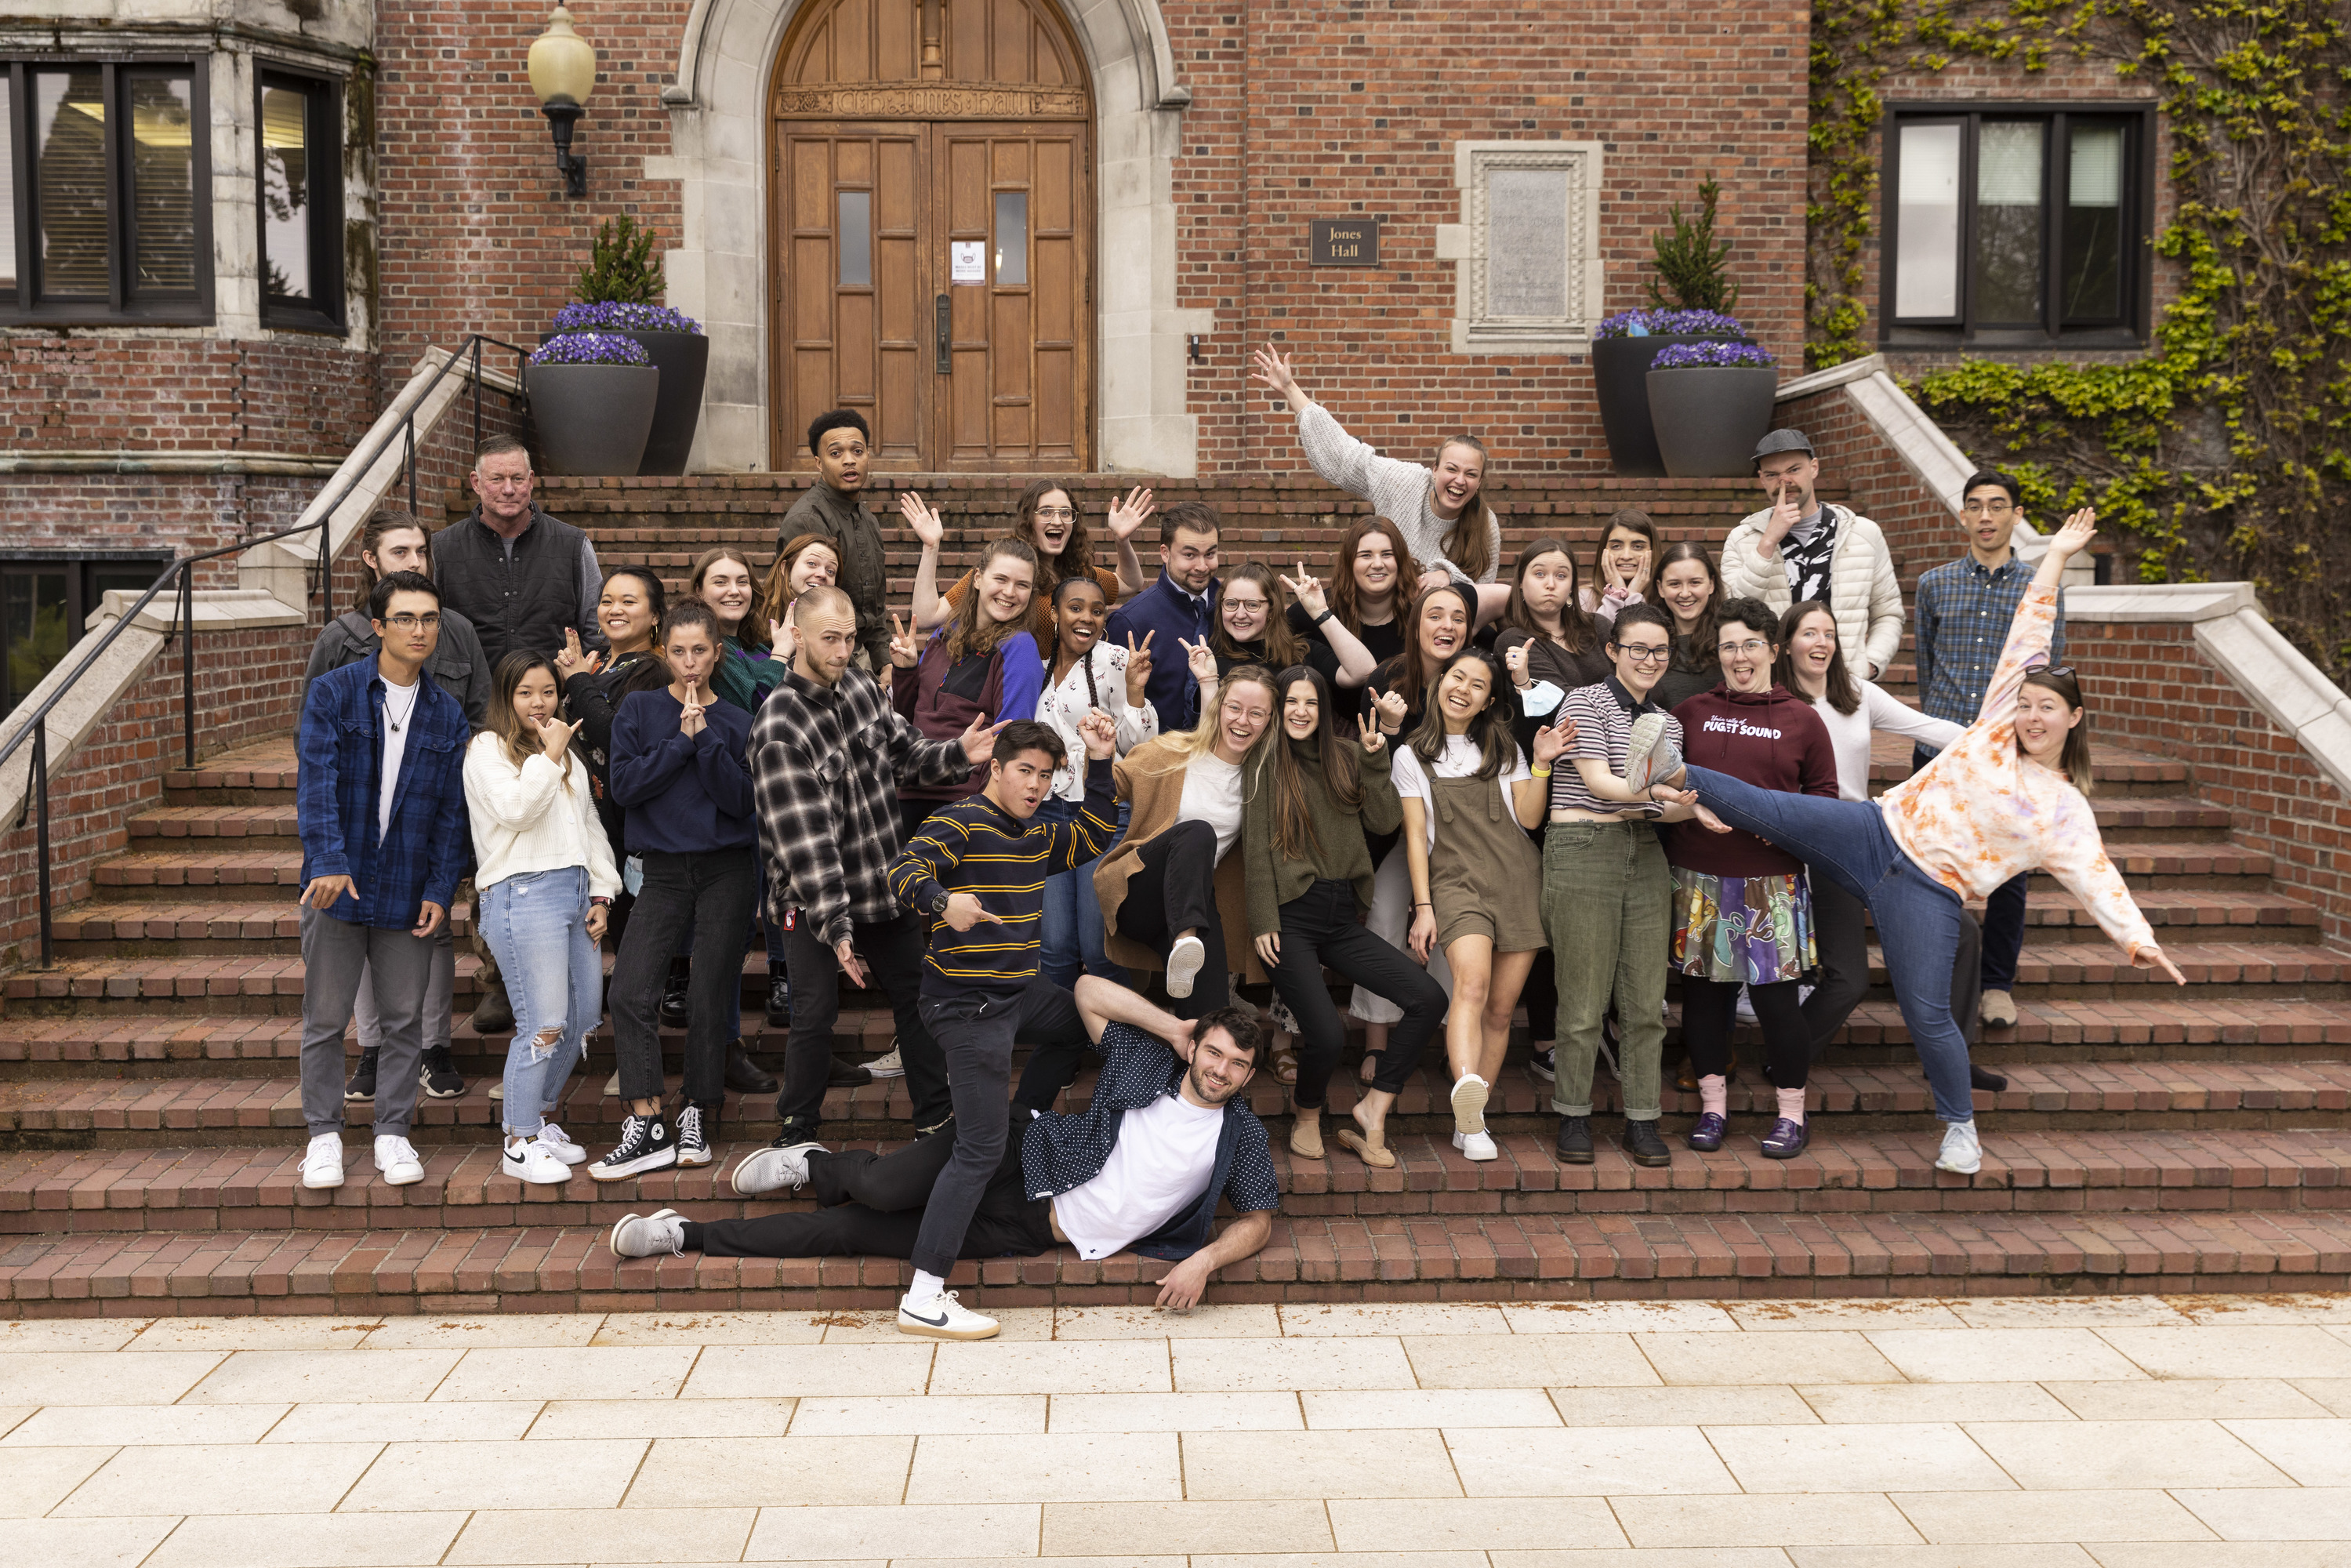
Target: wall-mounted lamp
(563,73)
(1192,344)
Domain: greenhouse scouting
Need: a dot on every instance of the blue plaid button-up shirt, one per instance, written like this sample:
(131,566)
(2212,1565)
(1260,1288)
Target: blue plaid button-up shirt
(341,744)
(1961,623)
(1059,1152)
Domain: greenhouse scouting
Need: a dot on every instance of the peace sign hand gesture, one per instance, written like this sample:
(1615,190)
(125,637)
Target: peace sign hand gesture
(1138,668)
(571,662)
(1368,736)
(903,651)
(1308,590)
(925,522)
(1127,516)
(1200,657)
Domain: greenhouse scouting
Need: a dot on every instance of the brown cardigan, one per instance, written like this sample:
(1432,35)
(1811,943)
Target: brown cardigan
(1152,778)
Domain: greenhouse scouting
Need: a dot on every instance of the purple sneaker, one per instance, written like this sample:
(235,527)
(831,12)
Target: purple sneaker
(1706,1136)
(1786,1139)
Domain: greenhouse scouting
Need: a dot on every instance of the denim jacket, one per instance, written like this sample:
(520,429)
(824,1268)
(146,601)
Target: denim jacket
(426,852)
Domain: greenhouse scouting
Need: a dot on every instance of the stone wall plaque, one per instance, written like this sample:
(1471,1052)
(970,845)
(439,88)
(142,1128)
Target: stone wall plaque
(1526,248)
(1343,242)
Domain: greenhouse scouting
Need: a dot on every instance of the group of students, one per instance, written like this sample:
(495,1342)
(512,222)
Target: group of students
(1434,776)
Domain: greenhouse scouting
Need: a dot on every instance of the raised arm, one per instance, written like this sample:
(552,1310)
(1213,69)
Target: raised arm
(1102,1003)
(1126,516)
(930,609)
(2027,635)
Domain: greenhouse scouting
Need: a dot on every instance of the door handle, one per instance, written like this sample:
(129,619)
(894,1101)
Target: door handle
(945,310)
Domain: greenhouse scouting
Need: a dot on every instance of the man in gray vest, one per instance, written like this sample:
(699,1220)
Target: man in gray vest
(522,577)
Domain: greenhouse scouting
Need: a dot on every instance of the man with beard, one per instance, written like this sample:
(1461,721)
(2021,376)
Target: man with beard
(1181,608)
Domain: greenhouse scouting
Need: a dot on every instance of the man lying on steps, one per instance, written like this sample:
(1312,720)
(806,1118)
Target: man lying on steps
(1166,1135)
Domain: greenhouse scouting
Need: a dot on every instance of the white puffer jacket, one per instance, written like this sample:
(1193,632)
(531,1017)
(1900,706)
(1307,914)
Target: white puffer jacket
(1863,594)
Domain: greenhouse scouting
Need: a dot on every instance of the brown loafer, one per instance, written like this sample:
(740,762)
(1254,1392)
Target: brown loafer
(1306,1138)
(1379,1157)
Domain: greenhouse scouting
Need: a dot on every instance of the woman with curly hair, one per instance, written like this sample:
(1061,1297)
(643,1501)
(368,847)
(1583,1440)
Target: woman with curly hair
(1048,521)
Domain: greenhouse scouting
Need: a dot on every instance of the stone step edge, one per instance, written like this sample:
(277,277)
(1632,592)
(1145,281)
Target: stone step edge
(1559,1256)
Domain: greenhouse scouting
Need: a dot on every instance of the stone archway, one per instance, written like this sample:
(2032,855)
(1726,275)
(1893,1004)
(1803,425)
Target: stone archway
(718,113)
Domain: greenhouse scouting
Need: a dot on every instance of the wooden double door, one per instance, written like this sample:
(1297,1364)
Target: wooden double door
(936,278)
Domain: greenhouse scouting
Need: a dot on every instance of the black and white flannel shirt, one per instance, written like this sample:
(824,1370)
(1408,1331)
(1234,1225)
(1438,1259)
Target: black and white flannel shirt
(825,766)
(1061,1153)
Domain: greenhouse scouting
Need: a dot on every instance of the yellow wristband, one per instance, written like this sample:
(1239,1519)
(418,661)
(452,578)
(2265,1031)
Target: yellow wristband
(1542,772)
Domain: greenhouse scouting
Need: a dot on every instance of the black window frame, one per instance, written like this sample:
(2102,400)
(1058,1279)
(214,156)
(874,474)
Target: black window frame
(2136,252)
(323,167)
(83,596)
(26,306)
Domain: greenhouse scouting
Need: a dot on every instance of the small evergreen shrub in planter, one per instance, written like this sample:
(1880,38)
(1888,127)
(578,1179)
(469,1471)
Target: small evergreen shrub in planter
(1710,403)
(592,402)
(1622,347)
(678,349)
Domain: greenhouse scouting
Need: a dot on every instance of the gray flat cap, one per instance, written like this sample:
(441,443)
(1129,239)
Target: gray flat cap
(1783,440)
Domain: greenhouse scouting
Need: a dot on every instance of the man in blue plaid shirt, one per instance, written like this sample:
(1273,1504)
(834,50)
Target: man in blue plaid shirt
(380,806)
(1962,618)
(1167,1136)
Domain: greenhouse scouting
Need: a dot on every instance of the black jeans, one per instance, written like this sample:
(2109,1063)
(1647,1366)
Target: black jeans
(1174,888)
(1841,940)
(711,893)
(874,1207)
(1320,927)
(975,1031)
(2004,932)
(1709,1012)
(893,951)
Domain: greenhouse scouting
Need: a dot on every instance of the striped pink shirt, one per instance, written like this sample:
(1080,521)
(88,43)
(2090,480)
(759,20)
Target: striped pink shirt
(1980,813)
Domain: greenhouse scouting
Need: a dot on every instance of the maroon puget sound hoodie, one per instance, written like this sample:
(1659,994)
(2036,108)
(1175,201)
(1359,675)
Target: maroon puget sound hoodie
(1772,740)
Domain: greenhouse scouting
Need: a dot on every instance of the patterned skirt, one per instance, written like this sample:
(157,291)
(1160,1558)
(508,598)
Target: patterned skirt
(1753,930)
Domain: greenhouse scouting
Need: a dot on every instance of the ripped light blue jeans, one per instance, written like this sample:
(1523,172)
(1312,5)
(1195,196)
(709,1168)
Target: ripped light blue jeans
(536,923)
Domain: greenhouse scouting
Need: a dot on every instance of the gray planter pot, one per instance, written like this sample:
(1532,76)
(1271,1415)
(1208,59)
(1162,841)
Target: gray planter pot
(684,359)
(1709,417)
(1620,369)
(591,419)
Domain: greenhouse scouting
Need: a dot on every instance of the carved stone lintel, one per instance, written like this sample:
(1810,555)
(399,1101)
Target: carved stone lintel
(927,100)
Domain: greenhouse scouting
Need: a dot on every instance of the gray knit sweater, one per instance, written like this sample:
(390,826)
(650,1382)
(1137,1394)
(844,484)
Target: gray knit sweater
(1397,490)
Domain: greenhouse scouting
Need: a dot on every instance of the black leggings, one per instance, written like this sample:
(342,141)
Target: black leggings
(1174,888)
(1319,927)
(874,1209)
(1708,1009)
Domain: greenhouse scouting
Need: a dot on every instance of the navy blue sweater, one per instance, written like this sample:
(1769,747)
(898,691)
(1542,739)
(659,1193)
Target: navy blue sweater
(686,794)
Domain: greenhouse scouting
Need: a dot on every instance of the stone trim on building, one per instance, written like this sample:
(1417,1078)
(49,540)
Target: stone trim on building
(1480,324)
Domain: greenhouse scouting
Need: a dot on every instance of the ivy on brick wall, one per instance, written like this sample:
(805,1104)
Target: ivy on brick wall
(2224,453)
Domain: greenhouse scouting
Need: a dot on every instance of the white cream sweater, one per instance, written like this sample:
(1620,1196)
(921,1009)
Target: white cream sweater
(1397,490)
(531,818)
(1863,594)
(1849,734)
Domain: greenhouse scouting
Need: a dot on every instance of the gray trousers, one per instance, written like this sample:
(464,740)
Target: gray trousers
(440,999)
(337,956)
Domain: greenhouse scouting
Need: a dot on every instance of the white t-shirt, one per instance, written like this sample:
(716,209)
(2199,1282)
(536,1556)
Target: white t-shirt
(1462,759)
(1161,1166)
(1212,794)
(1849,734)
(399,718)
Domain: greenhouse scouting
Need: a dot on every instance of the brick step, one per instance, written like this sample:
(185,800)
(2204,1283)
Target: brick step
(259,824)
(1551,1256)
(250,775)
(130,925)
(2043,1094)
(227,872)
(2249,917)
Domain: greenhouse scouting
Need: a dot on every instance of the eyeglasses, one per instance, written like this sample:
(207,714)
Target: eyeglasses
(414,622)
(1640,655)
(1251,605)
(1748,649)
(1055,514)
(1992,508)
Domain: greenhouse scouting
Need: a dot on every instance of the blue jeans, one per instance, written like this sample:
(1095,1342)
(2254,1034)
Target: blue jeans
(1917,917)
(1070,935)
(536,924)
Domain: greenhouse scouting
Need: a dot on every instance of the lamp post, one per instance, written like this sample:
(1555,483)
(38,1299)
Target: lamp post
(563,73)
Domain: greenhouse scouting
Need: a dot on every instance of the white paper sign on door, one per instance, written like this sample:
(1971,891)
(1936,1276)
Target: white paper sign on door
(970,260)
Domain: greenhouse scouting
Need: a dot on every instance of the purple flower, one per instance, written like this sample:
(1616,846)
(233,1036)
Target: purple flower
(610,316)
(1669,324)
(1680,356)
(590,348)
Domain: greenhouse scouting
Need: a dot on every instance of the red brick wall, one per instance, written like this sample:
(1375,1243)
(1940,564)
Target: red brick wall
(105,392)
(1326,110)
(477,235)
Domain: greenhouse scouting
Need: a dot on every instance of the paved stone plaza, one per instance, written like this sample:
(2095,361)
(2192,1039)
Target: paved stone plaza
(2132,1432)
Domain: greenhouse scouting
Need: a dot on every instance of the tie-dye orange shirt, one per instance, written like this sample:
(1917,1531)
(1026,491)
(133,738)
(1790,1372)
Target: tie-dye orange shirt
(1980,813)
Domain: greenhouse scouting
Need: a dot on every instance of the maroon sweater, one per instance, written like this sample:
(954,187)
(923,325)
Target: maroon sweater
(1772,740)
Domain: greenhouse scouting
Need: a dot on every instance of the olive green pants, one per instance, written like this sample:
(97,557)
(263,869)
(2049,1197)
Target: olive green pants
(1607,901)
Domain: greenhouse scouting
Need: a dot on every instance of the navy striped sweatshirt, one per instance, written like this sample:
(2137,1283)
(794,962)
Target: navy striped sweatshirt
(976,846)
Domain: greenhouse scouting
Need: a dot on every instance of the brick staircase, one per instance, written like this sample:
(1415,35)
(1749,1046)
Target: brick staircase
(2149,1139)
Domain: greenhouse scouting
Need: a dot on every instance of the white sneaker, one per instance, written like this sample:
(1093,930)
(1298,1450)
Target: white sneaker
(498,1090)
(1650,753)
(889,1064)
(943,1317)
(774,1169)
(1185,961)
(1476,1146)
(1746,1007)
(1962,1150)
(396,1158)
(557,1142)
(1470,1095)
(323,1162)
(644,1236)
(613,1087)
(532,1161)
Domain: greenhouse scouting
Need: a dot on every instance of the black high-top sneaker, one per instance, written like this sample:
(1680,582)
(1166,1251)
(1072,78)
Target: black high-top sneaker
(647,1144)
(361,1085)
(695,1125)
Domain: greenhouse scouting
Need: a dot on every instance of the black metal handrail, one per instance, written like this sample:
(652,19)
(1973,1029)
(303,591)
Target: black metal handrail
(183,625)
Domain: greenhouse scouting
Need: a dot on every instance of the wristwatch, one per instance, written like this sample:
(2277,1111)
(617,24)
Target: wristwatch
(939,904)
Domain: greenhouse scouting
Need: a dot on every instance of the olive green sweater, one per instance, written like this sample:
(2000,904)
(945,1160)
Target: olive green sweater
(1274,879)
